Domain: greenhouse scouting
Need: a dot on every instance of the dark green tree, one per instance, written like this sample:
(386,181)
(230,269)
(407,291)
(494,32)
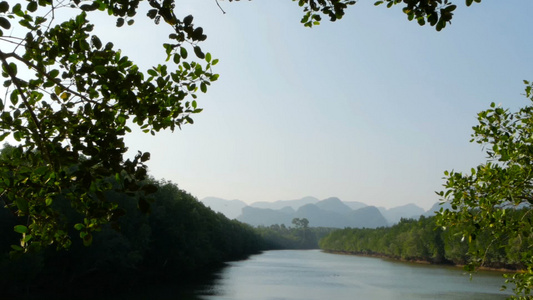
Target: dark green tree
(482,199)
(71,99)
(300,223)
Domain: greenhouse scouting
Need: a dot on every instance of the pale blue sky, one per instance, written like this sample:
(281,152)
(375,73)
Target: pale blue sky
(371,108)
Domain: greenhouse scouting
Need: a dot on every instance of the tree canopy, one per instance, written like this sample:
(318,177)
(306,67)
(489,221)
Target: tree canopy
(70,100)
(178,241)
(481,199)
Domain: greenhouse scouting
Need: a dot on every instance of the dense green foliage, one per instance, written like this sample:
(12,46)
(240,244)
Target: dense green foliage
(407,240)
(71,98)
(423,240)
(176,240)
(482,200)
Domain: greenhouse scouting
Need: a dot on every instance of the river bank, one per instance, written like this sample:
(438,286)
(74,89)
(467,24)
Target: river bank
(421,261)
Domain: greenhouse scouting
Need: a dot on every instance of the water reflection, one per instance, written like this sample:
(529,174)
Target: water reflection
(308,275)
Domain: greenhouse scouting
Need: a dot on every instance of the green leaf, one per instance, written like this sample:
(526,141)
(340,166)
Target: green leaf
(188,20)
(21,229)
(14,97)
(101,70)
(17,248)
(96,42)
(27,238)
(22,205)
(177,58)
(32,6)
(79,226)
(198,52)
(53,73)
(89,7)
(145,157)
(4,6)
(4,23)
(152,72)
(4,135)
(17,10)
(12,69)
(183,52)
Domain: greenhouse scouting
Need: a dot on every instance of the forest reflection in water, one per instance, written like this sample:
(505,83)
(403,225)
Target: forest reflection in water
(315,275)
(312,274)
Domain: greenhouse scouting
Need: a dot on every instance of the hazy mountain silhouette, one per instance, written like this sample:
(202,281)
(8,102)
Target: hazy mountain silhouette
(354,205)
(327,213)
(395,214)
(436,207)
(334,204)
(369,217)
(295,204)
(330,212)
(230,208)
(265,216)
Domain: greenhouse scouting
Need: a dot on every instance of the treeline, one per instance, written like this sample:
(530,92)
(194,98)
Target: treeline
(423,240)
(277,237)
(177,239)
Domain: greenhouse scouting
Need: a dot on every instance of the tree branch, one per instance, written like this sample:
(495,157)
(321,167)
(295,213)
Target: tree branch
(39,134)
(220,7)
(44,74)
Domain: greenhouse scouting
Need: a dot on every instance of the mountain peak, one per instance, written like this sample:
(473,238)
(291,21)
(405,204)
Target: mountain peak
(334,204)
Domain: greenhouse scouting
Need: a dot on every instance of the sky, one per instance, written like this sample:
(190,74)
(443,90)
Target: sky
(371,108)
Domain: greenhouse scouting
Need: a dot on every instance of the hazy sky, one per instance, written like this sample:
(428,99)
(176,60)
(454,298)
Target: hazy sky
(371,108)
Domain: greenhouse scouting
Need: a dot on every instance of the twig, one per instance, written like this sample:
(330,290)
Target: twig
(220,7)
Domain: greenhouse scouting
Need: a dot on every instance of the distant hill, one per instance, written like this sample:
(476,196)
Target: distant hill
(354,205)
(320,218)
(295,204)
(334,204)
(369,217)
(329,212)
(436,207)
(230,208)
(265,216)
(409,211)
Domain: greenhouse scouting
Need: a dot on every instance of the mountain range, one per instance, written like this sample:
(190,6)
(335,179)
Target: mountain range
(330,212)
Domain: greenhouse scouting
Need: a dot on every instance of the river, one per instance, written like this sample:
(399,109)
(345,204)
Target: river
(312,274)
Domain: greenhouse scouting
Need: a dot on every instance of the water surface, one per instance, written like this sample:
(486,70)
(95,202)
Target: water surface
(312,274)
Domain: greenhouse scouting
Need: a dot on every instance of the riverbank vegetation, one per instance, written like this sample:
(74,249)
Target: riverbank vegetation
(423,240)
(178,238)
